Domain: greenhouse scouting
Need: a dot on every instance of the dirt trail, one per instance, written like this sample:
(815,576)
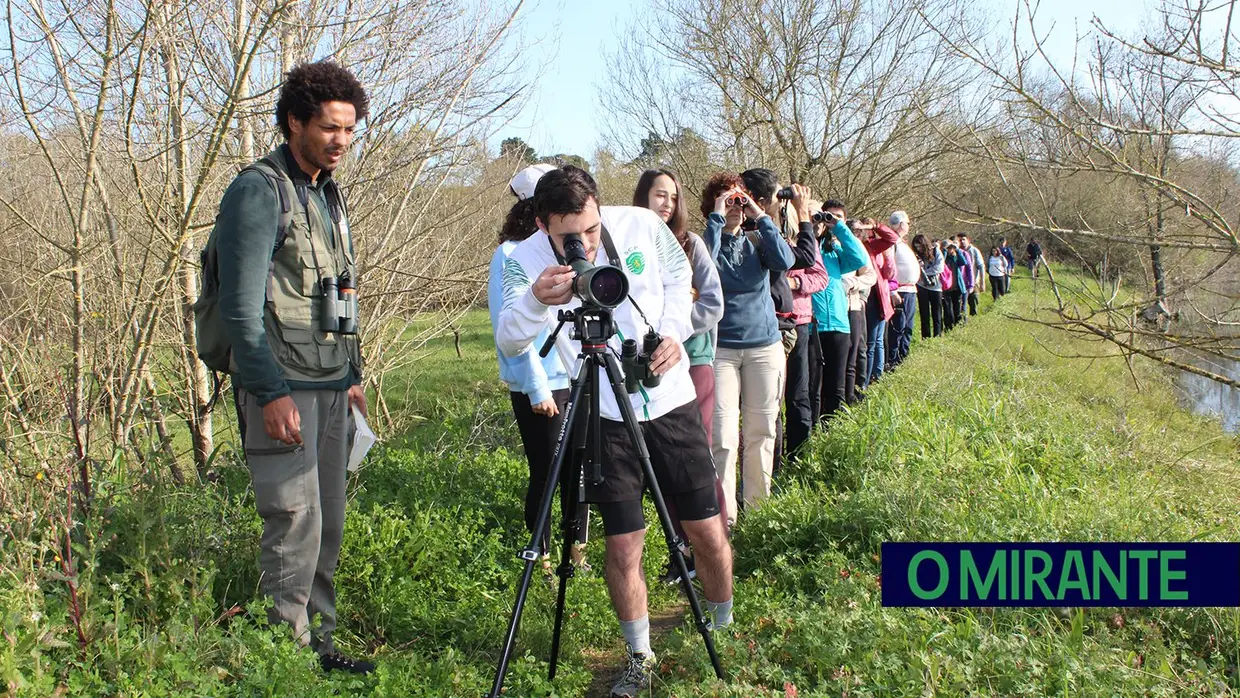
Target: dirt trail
(606,666)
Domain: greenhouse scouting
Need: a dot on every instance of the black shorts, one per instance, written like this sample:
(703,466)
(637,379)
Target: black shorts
(679,455)
(626,517)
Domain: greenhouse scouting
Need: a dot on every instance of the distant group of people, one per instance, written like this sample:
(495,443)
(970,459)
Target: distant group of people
(952,272)
(796,310)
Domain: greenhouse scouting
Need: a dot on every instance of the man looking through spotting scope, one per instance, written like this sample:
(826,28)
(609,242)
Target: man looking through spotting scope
(538,284)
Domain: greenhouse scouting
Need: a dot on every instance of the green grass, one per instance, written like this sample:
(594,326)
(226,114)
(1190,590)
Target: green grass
(983,435)
(986,434)
(439,379)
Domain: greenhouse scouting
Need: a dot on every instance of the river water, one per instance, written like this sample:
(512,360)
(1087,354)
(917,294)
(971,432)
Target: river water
(1209,397)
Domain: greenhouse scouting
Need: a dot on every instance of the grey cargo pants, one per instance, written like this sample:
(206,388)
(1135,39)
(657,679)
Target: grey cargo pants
(300,493)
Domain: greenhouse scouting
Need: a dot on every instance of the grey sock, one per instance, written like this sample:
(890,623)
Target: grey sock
(720,613)
(637,634)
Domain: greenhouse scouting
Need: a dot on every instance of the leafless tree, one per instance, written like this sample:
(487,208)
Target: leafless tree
(124,123)
(1125,152)
(842,95)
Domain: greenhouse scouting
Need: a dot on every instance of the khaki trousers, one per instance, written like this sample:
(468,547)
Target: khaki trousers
(300,493)
(748,382)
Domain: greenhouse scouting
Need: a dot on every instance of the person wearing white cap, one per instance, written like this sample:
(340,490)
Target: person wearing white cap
(538,387)
(523,183)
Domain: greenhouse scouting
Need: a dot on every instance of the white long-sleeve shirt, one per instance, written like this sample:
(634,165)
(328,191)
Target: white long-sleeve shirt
(858,284)
(660,280)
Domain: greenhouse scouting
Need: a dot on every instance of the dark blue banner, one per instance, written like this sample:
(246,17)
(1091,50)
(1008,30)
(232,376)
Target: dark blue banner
(1061,574)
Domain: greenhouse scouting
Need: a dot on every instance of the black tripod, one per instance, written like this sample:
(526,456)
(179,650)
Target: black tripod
(592,326)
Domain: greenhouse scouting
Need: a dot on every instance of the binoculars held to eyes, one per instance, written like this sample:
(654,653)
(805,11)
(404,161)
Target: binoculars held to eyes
(824,217)
(784,194)
(338,305)
(738,200)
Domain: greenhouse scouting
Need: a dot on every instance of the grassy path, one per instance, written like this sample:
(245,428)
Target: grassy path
(605,666)
(990,433)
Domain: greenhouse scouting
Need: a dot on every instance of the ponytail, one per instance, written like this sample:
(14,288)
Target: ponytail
(519,223)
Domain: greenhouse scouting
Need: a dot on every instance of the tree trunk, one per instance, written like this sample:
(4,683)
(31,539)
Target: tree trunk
(245,124)
(156,415)
(76,409)
(1160,283)
(197,377)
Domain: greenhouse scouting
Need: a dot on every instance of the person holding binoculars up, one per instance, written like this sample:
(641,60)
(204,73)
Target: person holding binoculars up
(750,361)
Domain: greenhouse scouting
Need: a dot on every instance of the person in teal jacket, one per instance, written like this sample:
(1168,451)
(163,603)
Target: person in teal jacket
(842,253)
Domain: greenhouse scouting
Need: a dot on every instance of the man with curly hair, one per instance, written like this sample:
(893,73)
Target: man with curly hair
(280,252)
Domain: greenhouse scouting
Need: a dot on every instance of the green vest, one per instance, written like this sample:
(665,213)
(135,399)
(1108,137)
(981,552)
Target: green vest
(309,246)
(314,247)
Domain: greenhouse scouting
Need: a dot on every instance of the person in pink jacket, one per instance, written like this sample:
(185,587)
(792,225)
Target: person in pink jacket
(879,241)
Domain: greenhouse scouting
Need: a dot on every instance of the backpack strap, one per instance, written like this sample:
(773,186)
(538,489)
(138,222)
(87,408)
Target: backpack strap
(609,246)
(282,188)
(285,191)
(339,210)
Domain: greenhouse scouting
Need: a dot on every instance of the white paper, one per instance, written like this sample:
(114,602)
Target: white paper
(363,439)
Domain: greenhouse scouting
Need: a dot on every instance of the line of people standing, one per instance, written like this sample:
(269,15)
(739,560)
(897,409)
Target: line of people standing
(797,310)
(953,272)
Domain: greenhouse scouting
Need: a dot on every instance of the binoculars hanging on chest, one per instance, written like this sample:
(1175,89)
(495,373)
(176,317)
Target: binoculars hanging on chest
(337,305)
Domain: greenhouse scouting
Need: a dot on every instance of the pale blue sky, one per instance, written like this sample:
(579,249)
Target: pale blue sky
(572,36)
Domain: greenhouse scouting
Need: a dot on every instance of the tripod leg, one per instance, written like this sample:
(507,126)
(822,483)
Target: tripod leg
(614,376)
(569,491)
(565,571)
(531,552)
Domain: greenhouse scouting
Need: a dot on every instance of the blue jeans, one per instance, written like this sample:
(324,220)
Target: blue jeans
(902,328)
(876,335)
(875,338)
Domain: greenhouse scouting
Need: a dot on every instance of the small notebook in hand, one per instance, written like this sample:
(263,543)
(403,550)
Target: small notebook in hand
(363,439)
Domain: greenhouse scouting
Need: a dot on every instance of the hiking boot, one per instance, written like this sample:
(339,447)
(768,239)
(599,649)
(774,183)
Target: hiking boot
(671,576)
(335,661)
(636,676)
